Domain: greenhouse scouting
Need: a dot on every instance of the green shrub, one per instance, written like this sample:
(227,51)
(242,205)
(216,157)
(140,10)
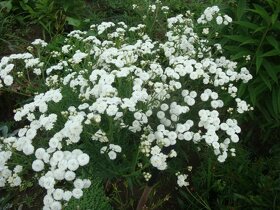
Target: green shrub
(255,36)
(242,183)
(93,199)
(114,101)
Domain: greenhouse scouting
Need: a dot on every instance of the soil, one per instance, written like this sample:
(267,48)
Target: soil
(22,37)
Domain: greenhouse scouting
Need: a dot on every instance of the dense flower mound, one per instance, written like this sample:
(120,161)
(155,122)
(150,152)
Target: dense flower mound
(116,89)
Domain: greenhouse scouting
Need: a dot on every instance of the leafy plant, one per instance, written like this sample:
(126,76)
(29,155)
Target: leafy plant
(10,40)
(114,101)
(54,16)
(255,36)
(240,183)
(93,199)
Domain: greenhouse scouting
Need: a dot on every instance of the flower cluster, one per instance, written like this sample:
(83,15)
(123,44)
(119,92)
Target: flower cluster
(210,13)
(62,166)
(181,180)
(107,90)
(112,150)
(6,175)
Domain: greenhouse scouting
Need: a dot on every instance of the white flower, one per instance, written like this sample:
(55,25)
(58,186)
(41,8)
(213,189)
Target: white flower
(222,158)
(188,136)
(59,174)
(234,138)
(219,20)
(37,71)
(70,175)
(38,165)
(76,153)
(87,183)
(78,56)
(79,184)
(172,135)
(31,133)
(67,195)
(16,181)
(115,148)
(180,128)
(227,18)
(181,180)
(56,206)
(159,161)
(160,115)
(224,126)
(77,193)
(62,164)
(58,194)
(48,200)
(137,115)
(43,107)
(73,164)
(204,97)
(49,182)
(39,42)
(28,149)
(54,142)
(18,168)
(216,145)
(112,155)
(56,97)
(65,49)
(8,80)
(205,31)
(83,159)
(58,156)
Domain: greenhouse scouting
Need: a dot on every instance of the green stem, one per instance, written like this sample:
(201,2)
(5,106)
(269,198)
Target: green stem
(259,46)
(135,172)
(200,200)
(135,160)
(12,91)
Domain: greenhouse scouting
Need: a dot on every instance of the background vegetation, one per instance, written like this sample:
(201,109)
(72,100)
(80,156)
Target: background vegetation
(251,180)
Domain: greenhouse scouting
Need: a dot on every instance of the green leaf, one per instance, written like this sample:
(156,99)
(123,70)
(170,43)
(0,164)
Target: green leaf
(275,106)
(278,98)
(273,42)
(241,38)
(242,197)
(261,28)
(271,53)
(251,41)
(262,12)
(7,5)
(255,90)
(259,60)
(241,90)
(241,8)
(265,79)
(265,113)
(247,24)
(73,21)
(276,25)
(240,54)
(5,131)
(232,48)
(27,8)
(270,108)
(274,18)
(271,70)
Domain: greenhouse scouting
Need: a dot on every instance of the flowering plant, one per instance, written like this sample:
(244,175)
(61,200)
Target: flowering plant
(114,95)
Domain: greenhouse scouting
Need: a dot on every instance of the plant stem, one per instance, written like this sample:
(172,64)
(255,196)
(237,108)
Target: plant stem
(259,46)
(12,91)
(144,197)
